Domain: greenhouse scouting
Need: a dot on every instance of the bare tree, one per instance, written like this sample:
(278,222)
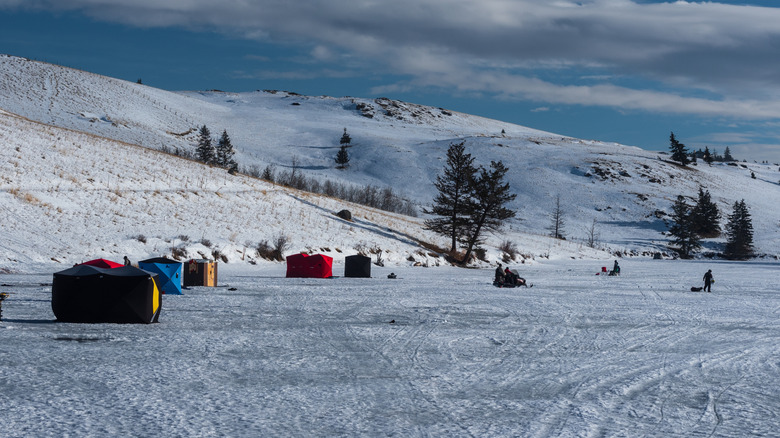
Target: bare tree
(556,220)
(281,244)
(593,234)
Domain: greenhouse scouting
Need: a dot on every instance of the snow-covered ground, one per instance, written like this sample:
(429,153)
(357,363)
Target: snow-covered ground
(575,355)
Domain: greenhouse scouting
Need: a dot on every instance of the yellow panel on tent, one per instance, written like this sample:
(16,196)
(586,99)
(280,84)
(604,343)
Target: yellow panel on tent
(157,295)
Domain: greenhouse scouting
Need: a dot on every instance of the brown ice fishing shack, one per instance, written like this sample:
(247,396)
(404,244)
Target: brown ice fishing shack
(200,272)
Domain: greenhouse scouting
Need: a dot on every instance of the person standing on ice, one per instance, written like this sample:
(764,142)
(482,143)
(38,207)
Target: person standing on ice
(708,280)
(3,296)
(127,261)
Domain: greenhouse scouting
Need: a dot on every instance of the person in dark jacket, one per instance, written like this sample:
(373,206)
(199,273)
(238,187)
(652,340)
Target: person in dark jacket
(615,269)
(510,277)
(499,275)
(3,296)
(708,281)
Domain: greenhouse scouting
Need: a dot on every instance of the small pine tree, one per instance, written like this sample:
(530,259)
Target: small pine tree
(705,215)
(225,152)
(707,156)
(685,239)
(739,243)
(342,157)
(345,139)
(679,152)
(269,173)
(205,150)
(727,155)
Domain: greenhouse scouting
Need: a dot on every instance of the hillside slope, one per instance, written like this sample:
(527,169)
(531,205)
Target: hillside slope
(68,196)
(625,189)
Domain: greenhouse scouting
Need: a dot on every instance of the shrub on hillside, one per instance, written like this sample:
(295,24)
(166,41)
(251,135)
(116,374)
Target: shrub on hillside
(264,250)
(273,251)
(510,251)
(178,253)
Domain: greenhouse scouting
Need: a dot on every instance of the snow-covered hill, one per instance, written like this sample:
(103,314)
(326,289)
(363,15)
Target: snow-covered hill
(71,192)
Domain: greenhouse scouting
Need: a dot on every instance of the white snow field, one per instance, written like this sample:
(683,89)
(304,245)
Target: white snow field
(577,355)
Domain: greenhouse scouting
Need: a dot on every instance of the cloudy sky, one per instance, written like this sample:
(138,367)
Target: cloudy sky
(628,71)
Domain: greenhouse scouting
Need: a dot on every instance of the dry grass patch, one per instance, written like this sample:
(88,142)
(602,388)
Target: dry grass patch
(24,196)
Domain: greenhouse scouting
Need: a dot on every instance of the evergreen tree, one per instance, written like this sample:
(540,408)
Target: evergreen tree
(685,239)
(727,155)
(342,157)
(453,202)
(225,152)
(345,138)
(679,153)
(705,216)
(205,150)
(489,195)
(269,173)
(707,156)
(739,243)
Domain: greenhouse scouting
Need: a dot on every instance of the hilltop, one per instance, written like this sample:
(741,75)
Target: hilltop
(83,174)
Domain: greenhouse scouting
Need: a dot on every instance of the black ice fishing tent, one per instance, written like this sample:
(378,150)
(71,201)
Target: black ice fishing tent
(357,266)
(120,295)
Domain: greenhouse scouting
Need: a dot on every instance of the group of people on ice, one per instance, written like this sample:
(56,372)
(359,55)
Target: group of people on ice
(508,278)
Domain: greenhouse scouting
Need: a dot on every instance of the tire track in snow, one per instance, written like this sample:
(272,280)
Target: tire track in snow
(354,339)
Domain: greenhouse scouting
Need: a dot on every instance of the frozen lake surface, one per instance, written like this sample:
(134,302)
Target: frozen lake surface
(576,355)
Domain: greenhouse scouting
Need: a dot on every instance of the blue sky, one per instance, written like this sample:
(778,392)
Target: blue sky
(627,71)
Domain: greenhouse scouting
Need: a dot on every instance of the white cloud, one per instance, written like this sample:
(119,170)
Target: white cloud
(500,47)
(322,53)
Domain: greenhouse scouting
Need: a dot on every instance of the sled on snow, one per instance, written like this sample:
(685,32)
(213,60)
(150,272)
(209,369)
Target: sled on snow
(504,285)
